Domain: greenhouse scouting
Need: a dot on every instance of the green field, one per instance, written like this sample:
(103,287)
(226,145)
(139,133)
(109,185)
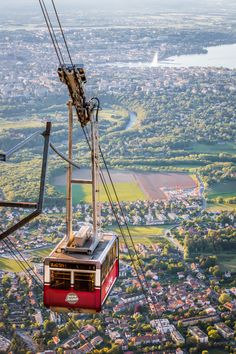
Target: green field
(146,240)
(146,230)
(218,351)
(229,148)
(226,260)
(213,207)
(145,234)
(42,253)
(21,124)
(10,265)
(127,192)
(224,190)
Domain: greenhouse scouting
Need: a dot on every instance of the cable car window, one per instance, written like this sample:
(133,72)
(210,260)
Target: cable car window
(109,261)
(84,281)
(60,280)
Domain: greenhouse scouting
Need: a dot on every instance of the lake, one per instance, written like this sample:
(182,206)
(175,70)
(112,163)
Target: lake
(219,56)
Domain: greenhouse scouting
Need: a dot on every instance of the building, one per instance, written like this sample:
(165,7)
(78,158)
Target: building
(148,339)
(230,306)
(177,337)
(194,320)
(162,326)
(224,330)
(4,344)
(197,333)
(86,348)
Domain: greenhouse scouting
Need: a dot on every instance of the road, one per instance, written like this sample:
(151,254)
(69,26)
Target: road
(202,191)
(174,241)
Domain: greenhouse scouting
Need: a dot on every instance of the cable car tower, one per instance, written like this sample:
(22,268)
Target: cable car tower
(81,271)
(87,238)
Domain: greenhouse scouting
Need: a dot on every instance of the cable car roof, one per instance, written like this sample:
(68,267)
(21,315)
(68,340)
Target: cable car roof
(98,255)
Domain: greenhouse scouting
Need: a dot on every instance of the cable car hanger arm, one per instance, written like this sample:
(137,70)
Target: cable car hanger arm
(39,205)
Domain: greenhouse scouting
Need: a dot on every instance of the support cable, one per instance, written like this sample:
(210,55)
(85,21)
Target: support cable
(18,261)
(113,187)
(51,31)
(62,32)
(118,223)
(63,156)
(125,221)
(13,250)
(34,276)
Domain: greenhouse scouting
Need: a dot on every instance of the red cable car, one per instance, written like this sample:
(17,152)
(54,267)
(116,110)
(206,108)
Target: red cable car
(81,271)
(73,281)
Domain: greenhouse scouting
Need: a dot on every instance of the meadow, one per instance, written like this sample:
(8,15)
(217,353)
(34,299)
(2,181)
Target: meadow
(145,234)
(226,260)
(10,265)
(229,148)
(216,207)
(224,190)
(126,191)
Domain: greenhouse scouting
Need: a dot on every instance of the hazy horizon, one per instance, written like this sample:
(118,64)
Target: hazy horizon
(14,6)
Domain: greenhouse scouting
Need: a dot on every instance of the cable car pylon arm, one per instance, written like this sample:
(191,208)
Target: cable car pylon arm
(5,156)
(28,205)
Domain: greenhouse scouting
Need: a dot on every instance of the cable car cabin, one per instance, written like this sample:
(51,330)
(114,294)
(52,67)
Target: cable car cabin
(79,282)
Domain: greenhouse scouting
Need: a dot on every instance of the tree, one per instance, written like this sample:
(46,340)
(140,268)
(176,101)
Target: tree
(49,326)
(180,324)
(186,247)
(62,333)
(224,298)
(50,344)
(6,281)
(213,334)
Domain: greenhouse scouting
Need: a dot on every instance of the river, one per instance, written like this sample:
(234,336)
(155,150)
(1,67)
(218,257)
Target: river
(132,120)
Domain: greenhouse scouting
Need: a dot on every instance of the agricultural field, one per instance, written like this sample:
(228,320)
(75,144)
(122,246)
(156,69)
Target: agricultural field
(227,261)
(41,252)
(126,192)
(147,241)
(143,231)
(222,190)
(154,183)
(218,351)
(229,148)
(21,124)
(130,185)
(216,207)
(10,265)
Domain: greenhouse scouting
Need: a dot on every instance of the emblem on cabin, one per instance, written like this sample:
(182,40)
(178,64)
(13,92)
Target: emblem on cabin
(72,298)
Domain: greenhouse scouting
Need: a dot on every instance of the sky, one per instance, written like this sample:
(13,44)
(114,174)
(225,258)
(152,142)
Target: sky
(119,4)
(25,6)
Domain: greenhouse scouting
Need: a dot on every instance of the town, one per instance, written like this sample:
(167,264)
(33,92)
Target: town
(193,306)
(47,230)
(192,310)
(155,117)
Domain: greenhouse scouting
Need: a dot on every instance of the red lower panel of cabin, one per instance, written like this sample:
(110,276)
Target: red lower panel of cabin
(110,280)
(72,299)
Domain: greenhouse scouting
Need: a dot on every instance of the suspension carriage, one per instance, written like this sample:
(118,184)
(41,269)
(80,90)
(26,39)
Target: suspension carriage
(81,282)
(81,271)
